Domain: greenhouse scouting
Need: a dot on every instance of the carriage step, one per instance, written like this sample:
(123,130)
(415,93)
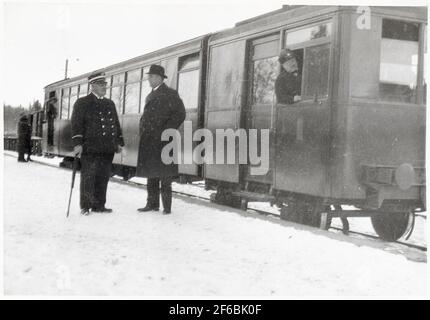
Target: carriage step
(253,196)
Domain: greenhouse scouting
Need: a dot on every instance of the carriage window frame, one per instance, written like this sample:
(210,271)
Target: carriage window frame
(274,37)
(108,87)
(187,69)
(308,44)
(126,83)
(80,89)
(76,94)
(418,98)
(423,51)
(63,95)
(145,77)
(120,84)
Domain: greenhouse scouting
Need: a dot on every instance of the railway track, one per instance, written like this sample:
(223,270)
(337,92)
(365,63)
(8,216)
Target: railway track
(267,213)
(259,211)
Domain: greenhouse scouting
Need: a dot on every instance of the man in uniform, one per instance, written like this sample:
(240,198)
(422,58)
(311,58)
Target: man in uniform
(164,109)
(96,135)
(51,114)
(288,83)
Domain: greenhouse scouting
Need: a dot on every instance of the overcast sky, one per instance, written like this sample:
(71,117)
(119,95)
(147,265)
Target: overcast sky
(38,37)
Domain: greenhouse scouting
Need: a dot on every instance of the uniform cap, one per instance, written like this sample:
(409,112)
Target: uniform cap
(96,77)
(286,55)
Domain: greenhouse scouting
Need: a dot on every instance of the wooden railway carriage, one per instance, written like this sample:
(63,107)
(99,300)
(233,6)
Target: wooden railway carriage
(357,137)
(128,87)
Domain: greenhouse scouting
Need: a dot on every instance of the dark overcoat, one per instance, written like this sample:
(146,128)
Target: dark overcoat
(24,135)
(164,109)
(95,125)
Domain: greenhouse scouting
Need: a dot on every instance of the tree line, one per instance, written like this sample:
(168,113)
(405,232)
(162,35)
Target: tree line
(11,115)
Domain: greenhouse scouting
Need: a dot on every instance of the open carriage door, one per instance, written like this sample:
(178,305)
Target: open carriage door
(225,86)
(263,69)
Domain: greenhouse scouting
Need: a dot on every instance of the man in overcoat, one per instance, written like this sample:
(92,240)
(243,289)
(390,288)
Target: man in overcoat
(24,138)
(164,109)
(96,135)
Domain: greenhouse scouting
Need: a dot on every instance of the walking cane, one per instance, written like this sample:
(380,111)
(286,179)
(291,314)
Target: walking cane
(75,162)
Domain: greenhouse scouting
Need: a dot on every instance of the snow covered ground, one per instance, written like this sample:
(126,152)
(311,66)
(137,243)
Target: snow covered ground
(201,249)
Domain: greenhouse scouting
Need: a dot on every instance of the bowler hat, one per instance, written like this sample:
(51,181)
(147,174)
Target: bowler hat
(156,69)
(97,76)
(286,55)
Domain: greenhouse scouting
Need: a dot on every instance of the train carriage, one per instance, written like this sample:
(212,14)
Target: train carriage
(128,87)
(356,137)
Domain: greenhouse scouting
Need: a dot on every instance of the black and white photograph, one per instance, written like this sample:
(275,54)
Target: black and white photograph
(214,150)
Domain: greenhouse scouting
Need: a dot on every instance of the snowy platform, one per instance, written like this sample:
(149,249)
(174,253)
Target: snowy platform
(201,249)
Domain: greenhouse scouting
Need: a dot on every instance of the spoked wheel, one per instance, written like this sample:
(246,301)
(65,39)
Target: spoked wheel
(392,226)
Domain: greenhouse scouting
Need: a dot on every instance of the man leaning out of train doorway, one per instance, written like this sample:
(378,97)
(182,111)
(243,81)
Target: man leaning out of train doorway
(288,83)
(96,135)
(163,110)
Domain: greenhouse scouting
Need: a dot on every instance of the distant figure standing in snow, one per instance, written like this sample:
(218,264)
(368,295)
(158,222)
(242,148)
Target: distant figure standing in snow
(96,135)
(164,109)
(24,138)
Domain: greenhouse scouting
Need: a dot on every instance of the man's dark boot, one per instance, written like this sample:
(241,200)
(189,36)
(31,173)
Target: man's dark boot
(148,208)
(21,157)
(85,212)
(167,211)
(102,210)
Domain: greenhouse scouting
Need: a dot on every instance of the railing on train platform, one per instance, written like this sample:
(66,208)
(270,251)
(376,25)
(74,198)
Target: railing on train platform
(10,143)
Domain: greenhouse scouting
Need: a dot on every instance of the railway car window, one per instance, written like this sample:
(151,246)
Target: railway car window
(132,91)
(425,73)
(145,90)
(265,69)
(189,62)
(117,92)
(134,76)
(399,61)
(109,87)
(188,81)
(83,90)
(316,61)
(264,77)
(118,79)
(73,98)
(65,103)
(308,34)
(311,46)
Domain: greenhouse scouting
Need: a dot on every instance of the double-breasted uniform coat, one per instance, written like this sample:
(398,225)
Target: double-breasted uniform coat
(95,126)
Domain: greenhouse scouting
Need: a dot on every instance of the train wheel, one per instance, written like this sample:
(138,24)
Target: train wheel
(392,226)
(290,212)
(320,217)
(316,215)
(225,197)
